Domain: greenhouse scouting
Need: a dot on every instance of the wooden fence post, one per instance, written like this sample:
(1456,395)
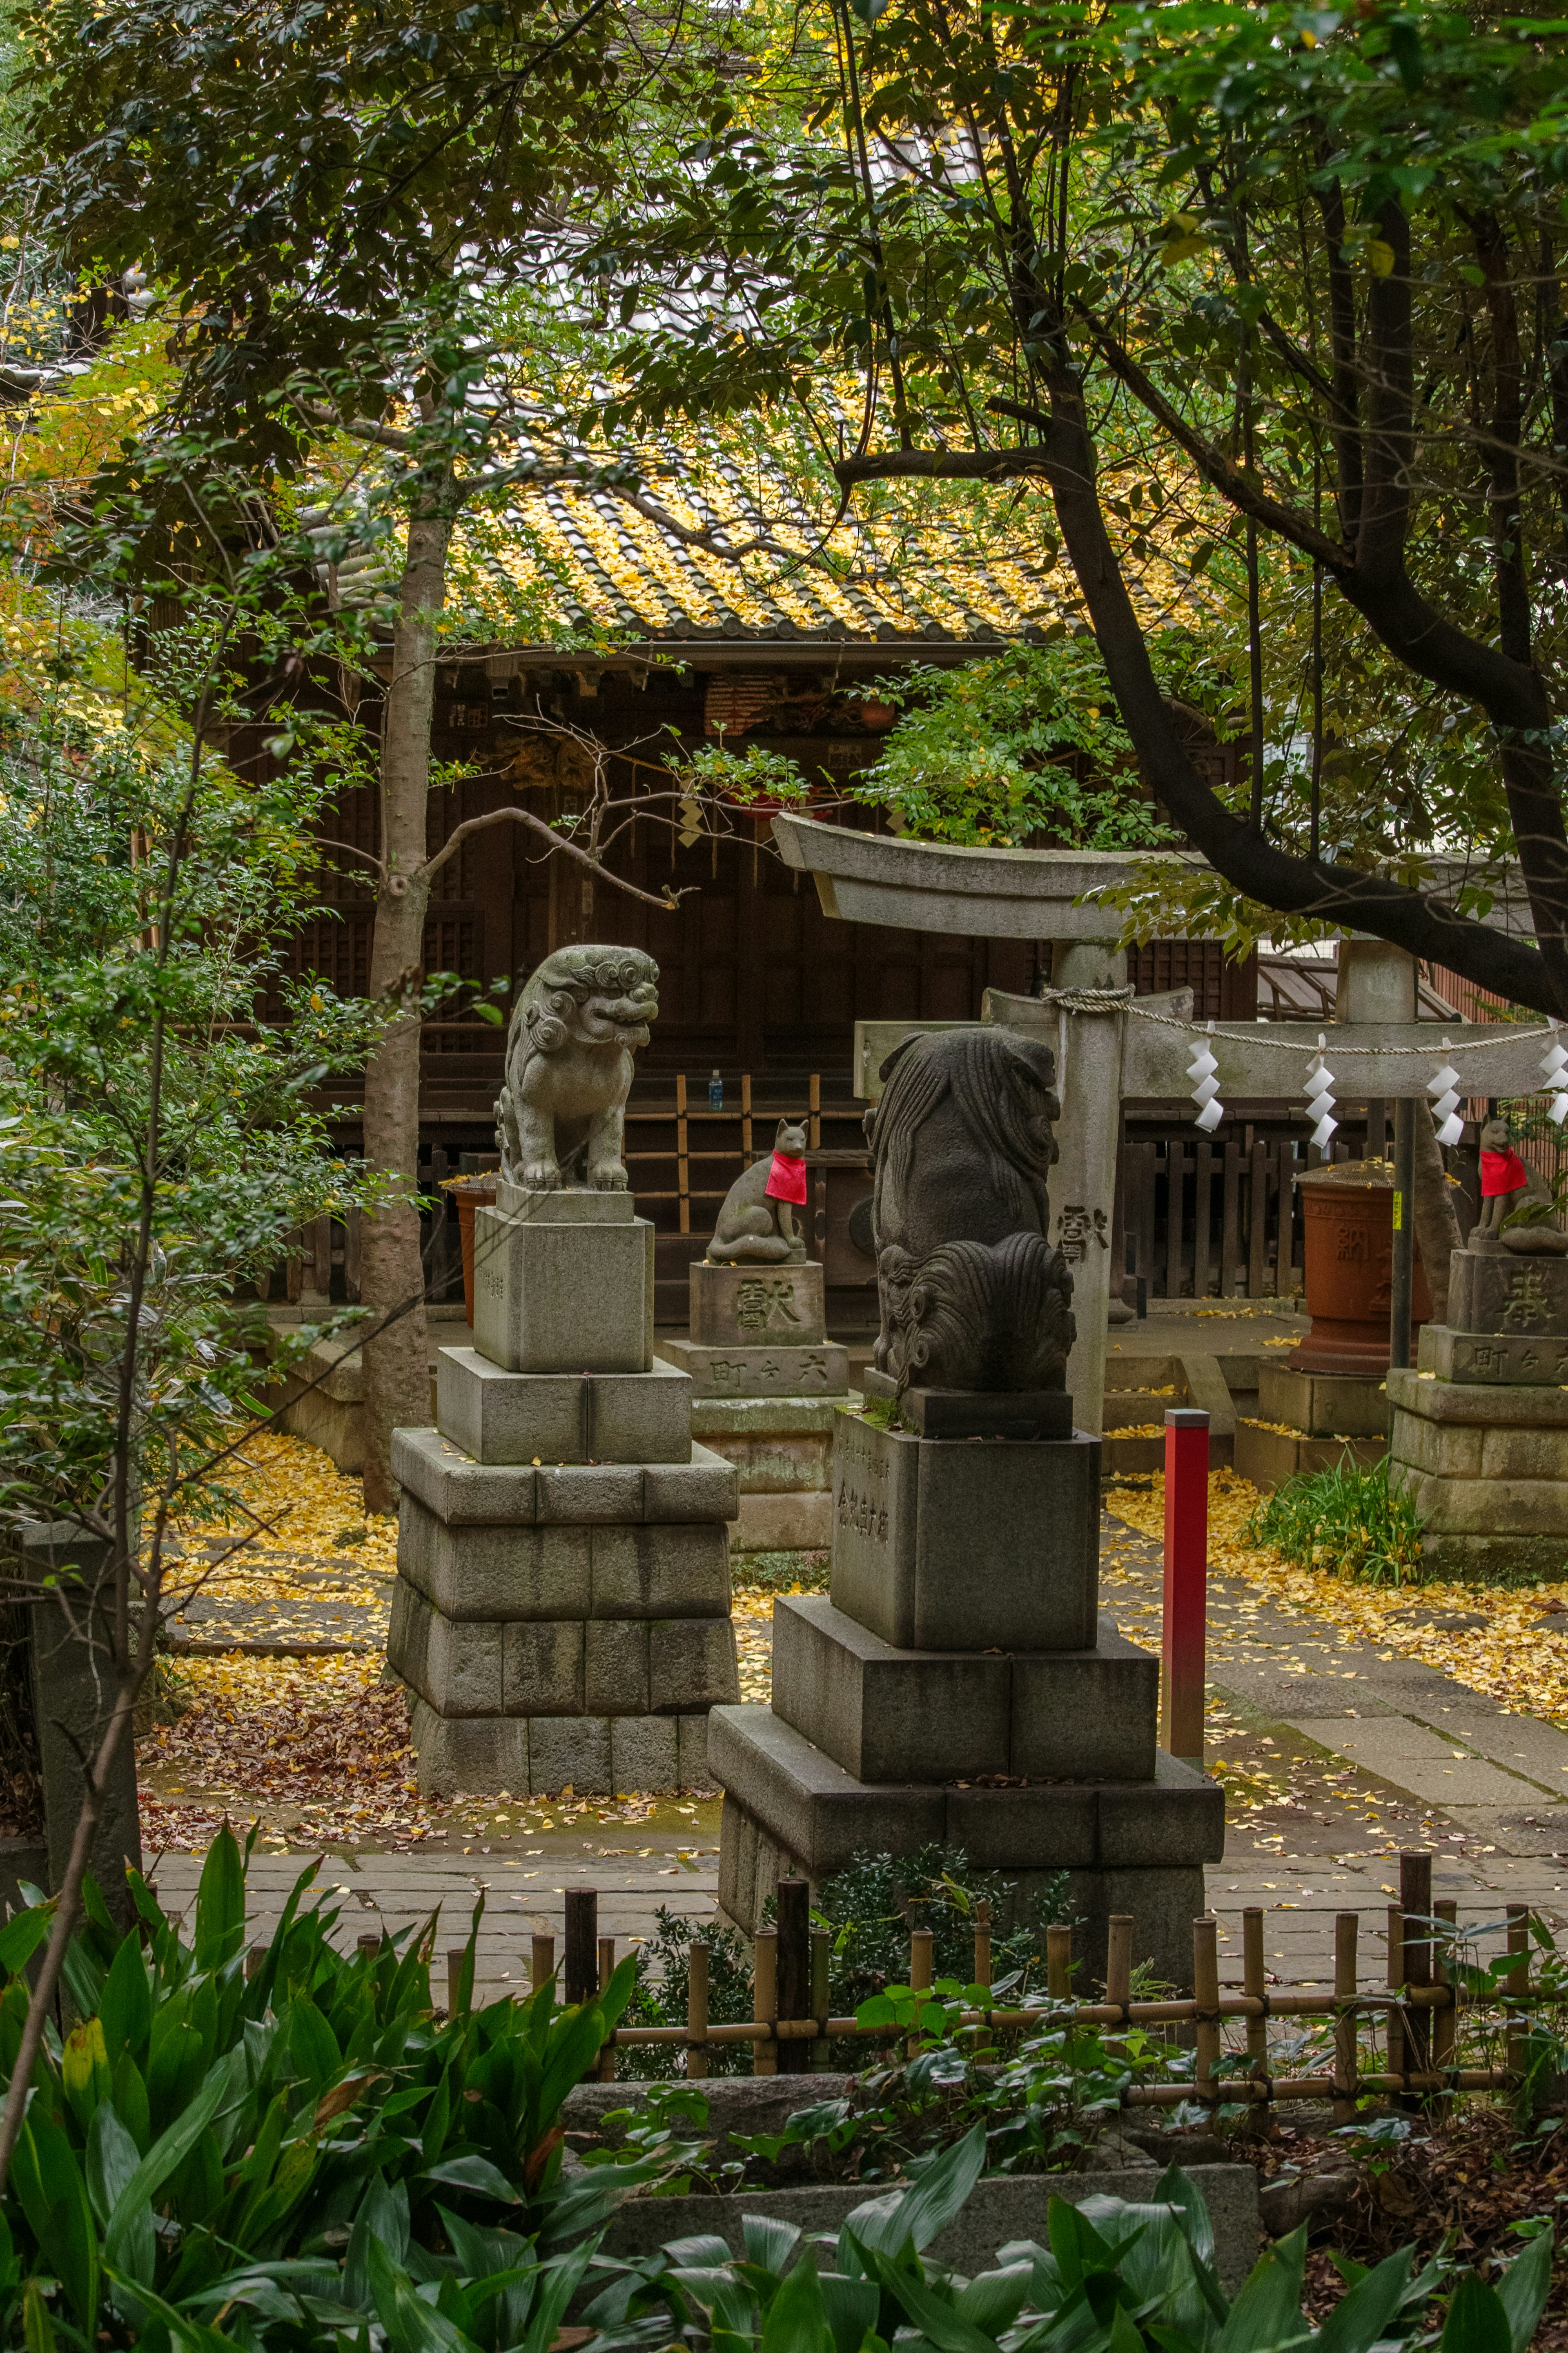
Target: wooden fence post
(541,1962)
(1346,1927)
(793,1969)
(582,1972)
(1255,1983)
(1205,1994)
(983,1945)
(921,1973)
(456,1955)
(1058,1963)
(1416,1902)
(1396,2045)
(697,2011)
(765,1998)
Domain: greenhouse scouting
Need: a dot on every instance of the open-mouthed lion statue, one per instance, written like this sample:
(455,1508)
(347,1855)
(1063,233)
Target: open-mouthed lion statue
(561,1116)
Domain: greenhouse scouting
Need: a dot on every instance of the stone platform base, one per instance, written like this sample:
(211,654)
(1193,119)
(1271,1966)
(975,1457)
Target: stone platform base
(1324,1405)
(540,1755)
(782,1450)
(1487,1469)
(1133,1846)
(1269,1457)
(744,1369)
(1164,1901)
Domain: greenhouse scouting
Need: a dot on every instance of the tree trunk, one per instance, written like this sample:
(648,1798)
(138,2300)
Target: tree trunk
(1437,1222)
(392,1274)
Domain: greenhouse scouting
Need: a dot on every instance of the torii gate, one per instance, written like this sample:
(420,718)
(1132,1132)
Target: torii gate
(1109,1047)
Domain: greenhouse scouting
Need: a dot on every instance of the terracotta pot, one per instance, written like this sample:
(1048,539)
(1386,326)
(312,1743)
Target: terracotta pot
(478,1193)
(1349,1212)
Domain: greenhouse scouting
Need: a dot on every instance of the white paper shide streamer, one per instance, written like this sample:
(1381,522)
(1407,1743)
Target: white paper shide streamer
(1206,1086)
(1553,1062)
(1320,1108)
(1443,1086)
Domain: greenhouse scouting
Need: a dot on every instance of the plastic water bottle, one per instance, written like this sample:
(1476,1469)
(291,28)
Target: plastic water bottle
(715,1092)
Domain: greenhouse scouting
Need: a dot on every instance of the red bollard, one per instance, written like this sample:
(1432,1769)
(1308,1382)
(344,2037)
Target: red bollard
(1186,1581)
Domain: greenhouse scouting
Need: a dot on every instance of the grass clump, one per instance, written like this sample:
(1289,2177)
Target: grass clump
(1347,1520)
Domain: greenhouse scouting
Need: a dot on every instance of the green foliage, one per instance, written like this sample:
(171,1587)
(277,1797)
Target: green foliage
(664,1977)
(1347,1520)
(1024,749)
(874,1902)
(149,1125)
(1113,2277)
(277,2157)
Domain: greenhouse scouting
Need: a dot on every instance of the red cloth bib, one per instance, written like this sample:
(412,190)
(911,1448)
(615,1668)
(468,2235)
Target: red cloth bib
(1501,1172)
(786,1179)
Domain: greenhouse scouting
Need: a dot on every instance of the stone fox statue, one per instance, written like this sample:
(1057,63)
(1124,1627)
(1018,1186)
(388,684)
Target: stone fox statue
(561,1116)
(757,1224)
(972,1295)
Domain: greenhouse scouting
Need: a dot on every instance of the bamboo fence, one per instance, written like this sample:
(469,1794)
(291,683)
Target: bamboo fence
(1418,2007)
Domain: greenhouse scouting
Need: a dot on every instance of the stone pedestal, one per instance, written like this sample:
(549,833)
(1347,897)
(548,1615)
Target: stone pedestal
(759,1330)
(1479,1433)
(553,1293)
(1323,1405)
(958,1686)
(782,1452)
(562,1614)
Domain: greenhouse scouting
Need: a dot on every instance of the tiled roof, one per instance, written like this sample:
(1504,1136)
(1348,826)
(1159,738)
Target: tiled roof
(948,563)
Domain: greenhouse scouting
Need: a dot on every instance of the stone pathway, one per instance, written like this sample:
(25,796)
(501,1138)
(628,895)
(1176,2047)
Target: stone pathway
(1327,1784)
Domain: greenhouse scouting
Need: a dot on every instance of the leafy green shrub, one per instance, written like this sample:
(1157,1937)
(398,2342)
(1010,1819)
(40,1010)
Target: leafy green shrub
(203,2143)
(872,1906)
(1347,1520)
(1027,747)
(1114,2278)
(781,1572)
(664,1979)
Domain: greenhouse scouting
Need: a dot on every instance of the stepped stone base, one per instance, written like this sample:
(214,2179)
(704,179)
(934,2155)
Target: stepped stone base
(781,1450)
(1487,1468)
(1138,1847)
(559,1295)
(889,1716)
(537,1755)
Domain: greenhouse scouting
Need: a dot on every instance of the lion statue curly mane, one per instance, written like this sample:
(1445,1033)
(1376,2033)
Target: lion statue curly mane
(561,1116)
(972,1295)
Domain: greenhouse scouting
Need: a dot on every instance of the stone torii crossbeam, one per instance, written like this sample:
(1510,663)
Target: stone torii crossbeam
(1110,1047)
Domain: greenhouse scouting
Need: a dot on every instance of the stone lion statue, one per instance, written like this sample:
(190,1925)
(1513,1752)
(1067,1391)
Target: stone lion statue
(972,1295)
(561,1116)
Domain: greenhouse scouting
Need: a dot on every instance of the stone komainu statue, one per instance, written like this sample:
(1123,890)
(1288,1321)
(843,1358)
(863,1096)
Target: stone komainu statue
(561,1116)
(972,1295)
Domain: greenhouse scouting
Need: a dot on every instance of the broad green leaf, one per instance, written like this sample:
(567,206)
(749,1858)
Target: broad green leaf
(20,1939)
(225,2082)
(474,2173)
(1268,2312)
(1478,2321)
(126,2009)
(796,2319)
(1523,2289)
(54,2201)
(1360,2318)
